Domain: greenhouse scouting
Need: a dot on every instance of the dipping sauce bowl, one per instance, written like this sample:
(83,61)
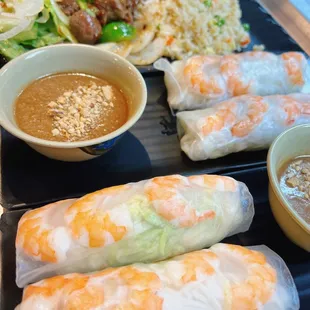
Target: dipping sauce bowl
(23,70)
(292,143)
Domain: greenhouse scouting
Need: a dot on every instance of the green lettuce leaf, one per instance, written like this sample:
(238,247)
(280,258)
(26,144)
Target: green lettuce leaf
(46,35)
(30,34)
(7,23)
(62,29)
(11,49)
(38,35)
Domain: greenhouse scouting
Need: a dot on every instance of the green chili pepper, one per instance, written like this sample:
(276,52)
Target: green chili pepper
(246,27)
(117,31)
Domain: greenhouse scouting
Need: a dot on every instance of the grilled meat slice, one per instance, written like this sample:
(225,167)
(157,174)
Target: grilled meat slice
(69,7)
(115,10)
(85,28)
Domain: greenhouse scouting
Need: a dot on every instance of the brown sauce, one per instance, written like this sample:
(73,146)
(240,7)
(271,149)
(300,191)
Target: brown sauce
(294,179)
(71,107)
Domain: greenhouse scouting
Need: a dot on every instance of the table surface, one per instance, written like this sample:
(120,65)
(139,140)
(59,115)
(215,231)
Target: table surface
(303,6)
(288,15)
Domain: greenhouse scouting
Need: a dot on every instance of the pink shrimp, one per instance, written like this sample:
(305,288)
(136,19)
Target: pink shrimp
(52,286)
(256,110)
(258,286)
(80,292)
(230,68)
(197,262)
(140,288)
(37,237)
(293,62)
(164,193)
(215,182)
(293,108)
(84,216)
(194,71)
(224,115)
(244,278)
(91,297)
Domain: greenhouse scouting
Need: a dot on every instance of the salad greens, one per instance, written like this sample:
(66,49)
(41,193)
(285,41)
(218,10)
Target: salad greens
(62,29)
(11,49)
(51,26)
(84,6)
(37,35)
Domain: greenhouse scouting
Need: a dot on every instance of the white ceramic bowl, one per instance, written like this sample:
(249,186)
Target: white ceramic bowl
(20,72)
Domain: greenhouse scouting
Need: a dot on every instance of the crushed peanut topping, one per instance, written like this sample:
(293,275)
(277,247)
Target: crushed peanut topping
(298,176)
(77,112)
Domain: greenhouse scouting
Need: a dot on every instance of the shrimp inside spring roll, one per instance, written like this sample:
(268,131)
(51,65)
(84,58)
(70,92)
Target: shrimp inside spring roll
(139,222)
(201,81)
(223,277)
(240,124)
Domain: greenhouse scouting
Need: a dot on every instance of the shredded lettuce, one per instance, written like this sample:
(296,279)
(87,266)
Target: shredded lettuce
(27,35)
(7,23)
(46,35)
(83,4)
(62,29)
(51,32)
(11,49)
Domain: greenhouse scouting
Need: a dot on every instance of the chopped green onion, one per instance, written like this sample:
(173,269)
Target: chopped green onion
(219,21)
(158,27)
(207,3)
(246,27)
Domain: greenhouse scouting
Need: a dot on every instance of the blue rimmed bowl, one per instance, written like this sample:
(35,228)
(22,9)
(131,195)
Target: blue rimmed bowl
(20,72)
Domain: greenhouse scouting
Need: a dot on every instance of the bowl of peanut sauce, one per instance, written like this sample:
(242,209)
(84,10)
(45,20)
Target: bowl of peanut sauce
(288,166)
(70,102)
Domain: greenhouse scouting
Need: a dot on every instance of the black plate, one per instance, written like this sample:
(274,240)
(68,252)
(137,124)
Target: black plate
(264,230)
(152,148)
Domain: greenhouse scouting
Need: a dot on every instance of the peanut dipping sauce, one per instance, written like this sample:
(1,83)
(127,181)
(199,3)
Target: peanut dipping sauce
(71,107)
(294,177)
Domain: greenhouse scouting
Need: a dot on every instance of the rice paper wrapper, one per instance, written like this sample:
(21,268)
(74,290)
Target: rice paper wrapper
(146,222)
(286,294)
(200,82)
(242,123)
(222,277)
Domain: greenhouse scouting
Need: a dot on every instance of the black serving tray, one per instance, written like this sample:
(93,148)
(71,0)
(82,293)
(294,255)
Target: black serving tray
(151,147)
(264,230)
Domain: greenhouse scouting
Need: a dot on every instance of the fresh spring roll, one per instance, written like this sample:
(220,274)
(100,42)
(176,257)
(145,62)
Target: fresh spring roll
(226,277)
(139,222)
(241,123)
(201,81)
